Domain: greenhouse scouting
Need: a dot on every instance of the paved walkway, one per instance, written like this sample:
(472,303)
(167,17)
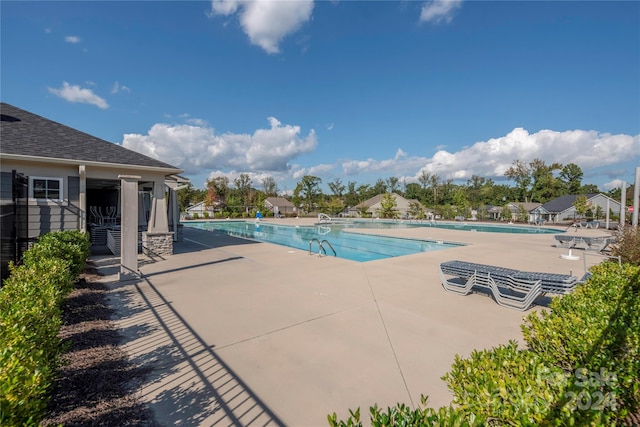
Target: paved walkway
(243,333)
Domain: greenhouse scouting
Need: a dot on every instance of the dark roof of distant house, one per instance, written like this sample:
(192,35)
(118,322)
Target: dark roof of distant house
(279,201)
(27,134)
(376,199)
(563,203)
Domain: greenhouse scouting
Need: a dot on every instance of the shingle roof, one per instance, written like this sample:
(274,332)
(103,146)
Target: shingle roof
(376,199)
(563,203)
(27,134)
(279,201)
(528,206)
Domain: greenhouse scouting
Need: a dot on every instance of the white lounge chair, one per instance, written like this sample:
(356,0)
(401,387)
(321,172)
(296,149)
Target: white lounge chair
(510,288)
(565,241)
(597,244)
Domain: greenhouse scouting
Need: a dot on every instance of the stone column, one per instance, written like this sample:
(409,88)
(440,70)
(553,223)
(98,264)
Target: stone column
(157,241)
(129,226)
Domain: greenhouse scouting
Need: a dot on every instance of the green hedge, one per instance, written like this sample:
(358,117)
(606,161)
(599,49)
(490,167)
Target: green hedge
(30,309)
(581,366)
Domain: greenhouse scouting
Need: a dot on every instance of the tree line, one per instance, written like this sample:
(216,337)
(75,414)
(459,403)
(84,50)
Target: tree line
(534,181)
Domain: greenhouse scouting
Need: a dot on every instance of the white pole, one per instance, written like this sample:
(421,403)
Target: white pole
(623,203)
(636,197)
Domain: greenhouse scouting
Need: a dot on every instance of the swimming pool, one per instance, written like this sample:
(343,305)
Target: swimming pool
(465,226)
(353,246)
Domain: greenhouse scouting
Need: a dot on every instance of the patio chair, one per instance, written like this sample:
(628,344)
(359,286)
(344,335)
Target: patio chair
(597,244)
(510,288)
(565,241)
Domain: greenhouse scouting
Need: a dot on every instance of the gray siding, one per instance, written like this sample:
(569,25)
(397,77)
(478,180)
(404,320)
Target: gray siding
(46,218)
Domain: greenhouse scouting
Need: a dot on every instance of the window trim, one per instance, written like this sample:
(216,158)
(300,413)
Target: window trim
(47,178)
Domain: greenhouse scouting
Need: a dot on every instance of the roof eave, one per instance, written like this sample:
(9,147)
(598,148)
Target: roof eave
(54,160)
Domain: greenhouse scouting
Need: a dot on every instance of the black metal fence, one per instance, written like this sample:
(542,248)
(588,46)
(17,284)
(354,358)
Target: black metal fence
(14,211)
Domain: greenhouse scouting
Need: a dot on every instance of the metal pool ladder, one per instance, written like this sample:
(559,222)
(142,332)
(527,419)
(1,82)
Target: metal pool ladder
(321,247)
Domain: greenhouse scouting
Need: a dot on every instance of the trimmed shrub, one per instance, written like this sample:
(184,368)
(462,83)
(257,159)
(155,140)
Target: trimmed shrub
(30,347)
(593,335)
(72,246)
(403,415)
(504,384)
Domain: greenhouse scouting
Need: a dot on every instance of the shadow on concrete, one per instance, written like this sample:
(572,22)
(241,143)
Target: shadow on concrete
(195,240)
(189,384)
(188,267)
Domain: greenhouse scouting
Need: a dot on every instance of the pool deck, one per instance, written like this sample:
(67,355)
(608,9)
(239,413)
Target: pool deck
(244,333)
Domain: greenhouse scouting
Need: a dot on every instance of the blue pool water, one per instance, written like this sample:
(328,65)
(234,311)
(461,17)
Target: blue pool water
(465,226)
(352,246)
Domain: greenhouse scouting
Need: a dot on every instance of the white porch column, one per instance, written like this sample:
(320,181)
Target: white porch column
(158,220)
(129,226)
(82,200)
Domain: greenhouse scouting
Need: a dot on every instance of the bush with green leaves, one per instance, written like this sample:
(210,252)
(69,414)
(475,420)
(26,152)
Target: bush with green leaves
(581,365)
(73,246)
(30,302)
(504,384)
(403,415)
(593,335)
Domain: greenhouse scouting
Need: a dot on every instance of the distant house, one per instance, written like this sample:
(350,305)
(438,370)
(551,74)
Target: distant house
(562,208)
(199,209)
(374,205)
(53,177)
(280,206)
(516,209)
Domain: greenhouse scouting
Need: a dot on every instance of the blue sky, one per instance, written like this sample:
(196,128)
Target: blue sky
(356,90)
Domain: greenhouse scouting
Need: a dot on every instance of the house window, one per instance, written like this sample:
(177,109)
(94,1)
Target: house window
(46,188)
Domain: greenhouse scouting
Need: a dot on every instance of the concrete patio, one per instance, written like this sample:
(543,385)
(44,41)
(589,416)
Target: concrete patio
(244,333)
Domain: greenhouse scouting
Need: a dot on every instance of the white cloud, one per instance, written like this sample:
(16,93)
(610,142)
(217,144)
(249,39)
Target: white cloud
(616,183)
(490,159)
(587,149)
(72,39)
(266,22)
(439,11)
(75,93)
(317,170)
(197,148)
(117,87)
(399,164)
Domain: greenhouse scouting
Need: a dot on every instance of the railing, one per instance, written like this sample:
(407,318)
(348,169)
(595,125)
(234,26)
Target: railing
(325,251)
(321,247)
(311,243)
(323,218)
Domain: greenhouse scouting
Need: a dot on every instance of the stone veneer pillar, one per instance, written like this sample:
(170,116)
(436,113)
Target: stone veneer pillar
(157,241)
(157,244)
